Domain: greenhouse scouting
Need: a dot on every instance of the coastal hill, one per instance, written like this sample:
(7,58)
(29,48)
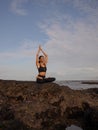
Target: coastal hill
(27,105)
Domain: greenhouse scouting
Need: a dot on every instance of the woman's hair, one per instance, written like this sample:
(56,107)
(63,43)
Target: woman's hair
(40,57)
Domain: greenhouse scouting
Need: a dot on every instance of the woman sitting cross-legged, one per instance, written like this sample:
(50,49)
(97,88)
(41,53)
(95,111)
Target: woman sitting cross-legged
(41,62)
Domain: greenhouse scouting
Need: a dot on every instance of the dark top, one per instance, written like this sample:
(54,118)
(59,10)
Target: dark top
(42,69)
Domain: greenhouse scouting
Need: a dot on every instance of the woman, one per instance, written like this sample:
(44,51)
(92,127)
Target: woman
(41,62)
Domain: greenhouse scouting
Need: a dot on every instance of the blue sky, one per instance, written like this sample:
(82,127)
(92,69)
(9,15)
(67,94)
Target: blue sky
(66,29)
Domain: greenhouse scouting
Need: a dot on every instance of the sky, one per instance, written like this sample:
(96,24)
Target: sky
(67,30)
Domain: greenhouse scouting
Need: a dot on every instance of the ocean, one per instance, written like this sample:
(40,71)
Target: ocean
(79,84)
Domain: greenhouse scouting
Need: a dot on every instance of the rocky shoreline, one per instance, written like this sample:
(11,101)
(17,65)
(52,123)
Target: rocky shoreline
(27,105)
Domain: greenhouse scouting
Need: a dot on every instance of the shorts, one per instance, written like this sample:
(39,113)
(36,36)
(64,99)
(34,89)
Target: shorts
(45,80)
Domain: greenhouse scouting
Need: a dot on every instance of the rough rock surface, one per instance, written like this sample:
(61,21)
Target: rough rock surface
(26,105)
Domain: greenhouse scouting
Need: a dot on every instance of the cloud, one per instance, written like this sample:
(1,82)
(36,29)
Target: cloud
(25,50)
(72,47)
(89,8)
(17,7)
(20,63)
(72,52)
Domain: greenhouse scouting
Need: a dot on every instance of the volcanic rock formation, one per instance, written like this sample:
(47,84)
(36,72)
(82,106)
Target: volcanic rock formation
(27,105)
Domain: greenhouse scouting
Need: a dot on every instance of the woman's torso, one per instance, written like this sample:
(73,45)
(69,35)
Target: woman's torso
(42,70)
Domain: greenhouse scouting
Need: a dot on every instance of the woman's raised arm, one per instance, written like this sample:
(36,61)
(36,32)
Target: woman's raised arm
(37,57)
(46,56)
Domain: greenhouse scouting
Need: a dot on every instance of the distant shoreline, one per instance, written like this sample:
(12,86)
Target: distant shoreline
(89,82)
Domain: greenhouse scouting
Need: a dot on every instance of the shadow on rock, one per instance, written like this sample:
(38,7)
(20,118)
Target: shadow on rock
(86,117)
(8,121)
